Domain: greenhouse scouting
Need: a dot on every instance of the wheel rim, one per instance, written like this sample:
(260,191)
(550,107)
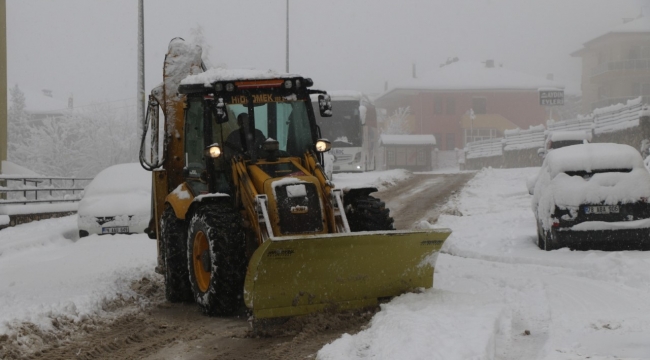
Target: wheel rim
(200,247)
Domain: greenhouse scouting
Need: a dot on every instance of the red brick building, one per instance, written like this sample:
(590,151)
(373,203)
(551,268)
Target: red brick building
(440,103)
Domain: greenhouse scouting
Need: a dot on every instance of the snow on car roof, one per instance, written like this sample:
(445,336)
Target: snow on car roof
(570,135)
(123,189)
(588,157)
(213,75)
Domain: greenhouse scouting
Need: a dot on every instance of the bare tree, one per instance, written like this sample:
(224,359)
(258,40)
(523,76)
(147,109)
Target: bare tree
(397,123)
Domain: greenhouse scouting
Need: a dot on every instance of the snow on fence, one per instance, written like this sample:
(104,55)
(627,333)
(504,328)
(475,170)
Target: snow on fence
(26,190)
(518,139)
(581,123)
(484,148)
(627,123)
(25,199)
(619,117)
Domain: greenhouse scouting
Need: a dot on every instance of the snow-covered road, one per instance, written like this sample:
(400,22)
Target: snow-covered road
(493,286)
(495,295)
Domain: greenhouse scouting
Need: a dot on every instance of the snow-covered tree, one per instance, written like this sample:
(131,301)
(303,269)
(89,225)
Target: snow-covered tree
(18,127)
(397,123)
(78,143)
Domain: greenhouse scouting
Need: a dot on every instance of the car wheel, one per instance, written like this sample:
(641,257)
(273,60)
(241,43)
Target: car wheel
(216,258)
(173,239)
(367,213)
(550,240)
(540,238)
(83,233)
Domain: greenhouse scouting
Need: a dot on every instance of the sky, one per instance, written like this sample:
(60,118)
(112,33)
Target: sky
(495,294)
(88,48)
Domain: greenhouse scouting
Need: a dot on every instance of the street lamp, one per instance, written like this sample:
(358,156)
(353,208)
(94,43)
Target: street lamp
(287,54)
(471,124)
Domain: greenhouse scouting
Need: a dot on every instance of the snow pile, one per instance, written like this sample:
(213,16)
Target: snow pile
(47,273)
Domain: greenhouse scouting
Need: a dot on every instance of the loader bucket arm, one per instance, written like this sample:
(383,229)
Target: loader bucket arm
(304,274)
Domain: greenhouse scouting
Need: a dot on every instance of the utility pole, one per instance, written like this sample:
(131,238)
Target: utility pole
(140,98)
(3,82)
(287,55)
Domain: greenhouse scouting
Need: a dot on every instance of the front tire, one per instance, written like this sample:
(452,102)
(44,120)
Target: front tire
(367,213)
(174,242)
(216,258)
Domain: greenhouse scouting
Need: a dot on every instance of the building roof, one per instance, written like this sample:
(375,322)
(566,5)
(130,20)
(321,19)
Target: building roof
(386,139)
(463,75)
(639,25)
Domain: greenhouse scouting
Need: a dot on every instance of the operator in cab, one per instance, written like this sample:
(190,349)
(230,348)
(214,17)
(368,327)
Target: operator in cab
(238,140)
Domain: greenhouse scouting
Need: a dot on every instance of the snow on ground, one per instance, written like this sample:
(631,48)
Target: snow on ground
(48,272)
(378,179)
(496,295)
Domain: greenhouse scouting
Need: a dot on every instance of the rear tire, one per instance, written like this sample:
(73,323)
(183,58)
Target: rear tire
(540,238)
(367,213)
(216,258)
(174,242)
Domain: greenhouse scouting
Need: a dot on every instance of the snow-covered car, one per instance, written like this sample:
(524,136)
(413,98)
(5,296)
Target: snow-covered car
(117,201)
(592,196)
(560,139)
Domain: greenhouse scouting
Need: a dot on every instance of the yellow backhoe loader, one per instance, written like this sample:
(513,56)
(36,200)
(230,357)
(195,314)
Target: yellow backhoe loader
(242,210)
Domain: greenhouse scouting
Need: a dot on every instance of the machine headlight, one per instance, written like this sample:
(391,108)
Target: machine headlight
(213,151)
(230,87)
(298,83)
(218,87)
(288,84)
(323,145)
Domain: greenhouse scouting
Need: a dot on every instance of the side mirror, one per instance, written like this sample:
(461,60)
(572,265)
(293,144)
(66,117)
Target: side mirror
(541,152)
(219,111)
(325,105)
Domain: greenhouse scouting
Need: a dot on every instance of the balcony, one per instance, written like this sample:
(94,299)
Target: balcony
(624,65)
(620,100)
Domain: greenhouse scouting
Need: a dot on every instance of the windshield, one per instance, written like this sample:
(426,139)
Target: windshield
(285,121)
(343,129)
(563,143)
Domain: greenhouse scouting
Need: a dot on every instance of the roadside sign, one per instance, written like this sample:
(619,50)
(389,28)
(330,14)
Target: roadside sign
(551,97)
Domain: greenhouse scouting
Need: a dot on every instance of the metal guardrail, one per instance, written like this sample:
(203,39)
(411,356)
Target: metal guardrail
(25,190)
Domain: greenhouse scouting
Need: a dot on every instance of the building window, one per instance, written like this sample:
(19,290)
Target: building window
(400,156)
(437,105)
(479,105)
(390,155)
(472,135)
(450,142)
(422,157)
(451,106)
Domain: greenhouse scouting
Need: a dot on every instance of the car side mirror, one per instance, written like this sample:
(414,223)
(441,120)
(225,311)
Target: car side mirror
(325,105)
(219,111)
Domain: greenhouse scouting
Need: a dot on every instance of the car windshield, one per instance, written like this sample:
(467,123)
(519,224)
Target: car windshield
(286,121)
(563,143)
(588,174)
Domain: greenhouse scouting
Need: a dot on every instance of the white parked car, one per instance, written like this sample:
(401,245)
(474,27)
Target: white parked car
(117,201)
(592,196)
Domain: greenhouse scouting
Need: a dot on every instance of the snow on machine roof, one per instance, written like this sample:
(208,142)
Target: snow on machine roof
(211,76)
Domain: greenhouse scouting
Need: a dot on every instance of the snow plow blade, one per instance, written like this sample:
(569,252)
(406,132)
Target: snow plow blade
(304,274)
